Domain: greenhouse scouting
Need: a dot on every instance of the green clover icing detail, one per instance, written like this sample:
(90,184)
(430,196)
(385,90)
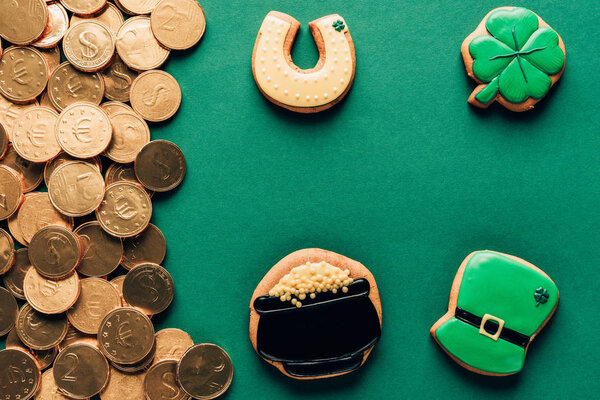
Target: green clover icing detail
(339,25)
(541,296)
(518,57)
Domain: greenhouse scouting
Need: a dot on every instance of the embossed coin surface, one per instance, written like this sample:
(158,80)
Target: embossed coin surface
(124,386)
(205,371)
(58,23)
(83,130)
(137,46)
(44,358)
(8,311)
(126,336)
(30,173)
(23,74)
(11,192)
(3,140)
(121,172)
(155,95)
(118,78)
(160,166)
(113,107)
(76,188)
(52,56)
(81,371)
(130,134)
(40,331)
(89,45)
(50,296)
(139,7)
(14,278)
(33,134)
(178,24)
(149,287)
(23,21)
(68,85)
(102,252)
(63,158)
(110,16)
(137,367)
(7,251)
(49,390)
(76,336)
(83,7)
(98,298)
(21,378)
(161,382)
(54,251)
(125,210)
(118,284)
(10,111)
(149,246)
(37,212)
(171,344)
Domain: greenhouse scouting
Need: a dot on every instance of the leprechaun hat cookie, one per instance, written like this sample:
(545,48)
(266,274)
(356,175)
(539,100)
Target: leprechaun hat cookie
(316,314)
(498,304)
(515,57)
(303,90)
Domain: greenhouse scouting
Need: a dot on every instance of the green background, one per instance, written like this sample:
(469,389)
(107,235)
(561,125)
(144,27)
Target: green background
(403,176)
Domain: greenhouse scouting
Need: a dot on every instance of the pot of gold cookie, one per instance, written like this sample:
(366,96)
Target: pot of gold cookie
(316,314)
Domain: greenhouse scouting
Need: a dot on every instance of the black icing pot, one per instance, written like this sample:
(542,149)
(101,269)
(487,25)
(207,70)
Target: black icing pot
(328,335)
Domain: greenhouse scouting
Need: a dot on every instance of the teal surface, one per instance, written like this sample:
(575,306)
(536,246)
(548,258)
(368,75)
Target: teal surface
(403,176)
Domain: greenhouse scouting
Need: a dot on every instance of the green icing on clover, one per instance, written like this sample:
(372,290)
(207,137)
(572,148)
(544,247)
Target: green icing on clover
(518,57)
(338,25)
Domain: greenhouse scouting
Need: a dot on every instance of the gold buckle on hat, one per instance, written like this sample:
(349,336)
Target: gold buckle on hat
(488,317)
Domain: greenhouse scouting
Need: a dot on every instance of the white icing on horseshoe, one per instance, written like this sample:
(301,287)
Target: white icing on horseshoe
(310,90)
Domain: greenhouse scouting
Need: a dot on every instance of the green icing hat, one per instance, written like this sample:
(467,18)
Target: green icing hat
(497,305)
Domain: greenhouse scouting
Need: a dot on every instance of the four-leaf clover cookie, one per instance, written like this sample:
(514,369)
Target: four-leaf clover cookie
(515,57)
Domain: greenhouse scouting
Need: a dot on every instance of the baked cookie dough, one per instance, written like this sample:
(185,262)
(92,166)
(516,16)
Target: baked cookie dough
(304,90)
(316,314)
(515,57)
(498,304)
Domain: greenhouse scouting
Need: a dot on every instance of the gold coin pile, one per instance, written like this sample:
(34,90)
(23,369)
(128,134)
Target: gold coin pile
(81,321)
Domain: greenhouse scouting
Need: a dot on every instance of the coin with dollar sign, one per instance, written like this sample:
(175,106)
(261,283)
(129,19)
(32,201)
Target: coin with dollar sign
(89,46)
(118,78)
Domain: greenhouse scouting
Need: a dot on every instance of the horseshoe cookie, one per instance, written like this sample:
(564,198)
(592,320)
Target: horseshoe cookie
(303,90)
(316,314)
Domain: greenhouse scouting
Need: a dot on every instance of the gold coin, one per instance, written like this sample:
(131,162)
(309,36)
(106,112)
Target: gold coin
(76,188)
(83,130)
(205,371)
(46,102)
(33,134)
(118,284)
(155,95)
(54,251)
(137,367)
(102,253)
(130,134)
(58,23)
(117,80)
(21,378)
(3,141)
(52,56)
(125,210)
(75,336)
(137,46)
(149,287)
(23,74)
(109,16)
(171,344)
(50,296)
(40,331)
(124,386)
(161,382)
(121,172)
(11,192)
(68,85)
(139,7)
(48,389)
(15,277)
(113,107)
(8,311)
(63,158)
(81,371)
(84,7)
(89,45)
(160,166)
(10,111)
(37,212)
(149,246)
(43,358)
(23,21)
(7,252)
(98,298)
(178,24)
(126,336)
(30,173)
